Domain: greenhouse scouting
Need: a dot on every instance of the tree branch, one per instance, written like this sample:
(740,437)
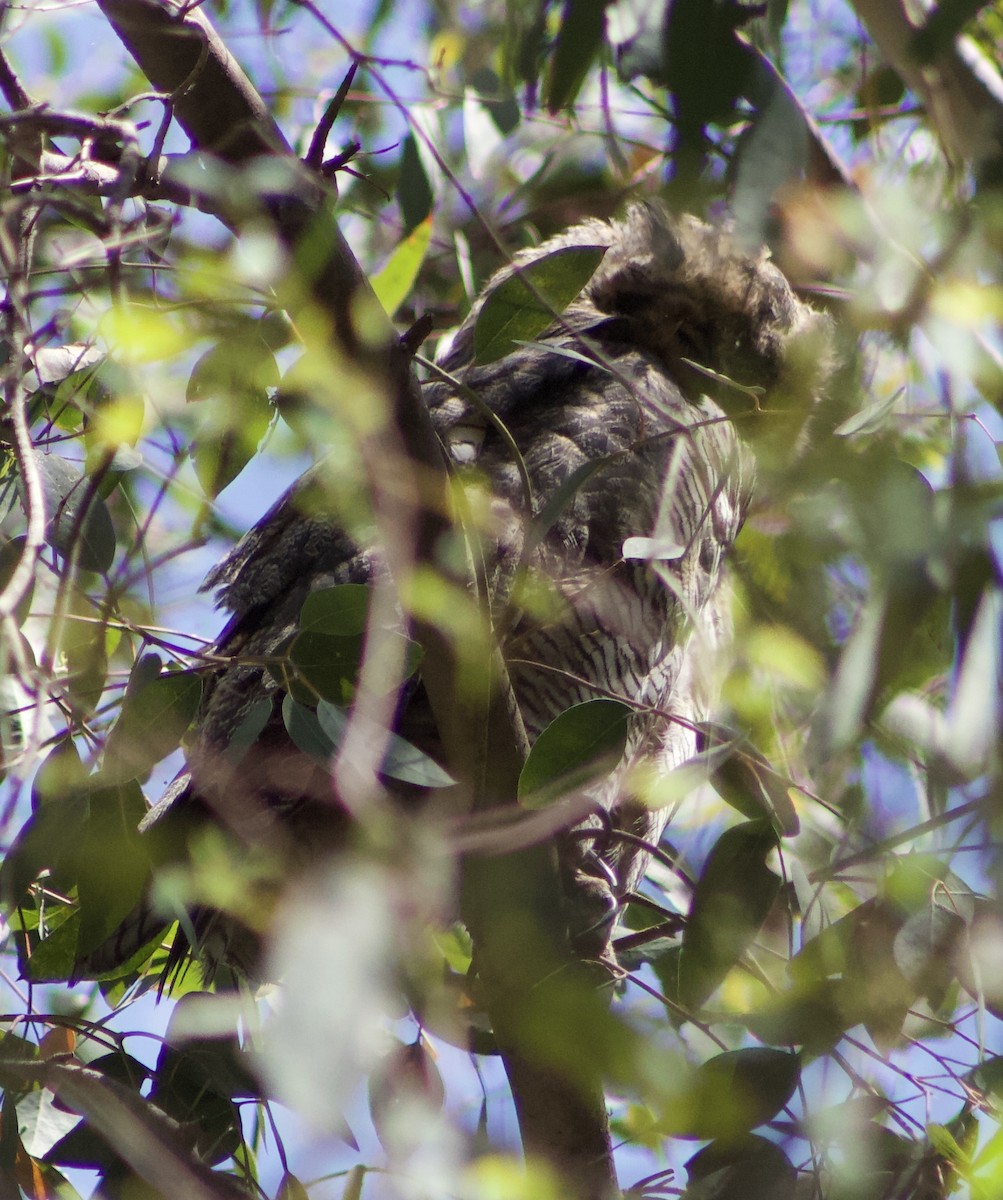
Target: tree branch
(960,88)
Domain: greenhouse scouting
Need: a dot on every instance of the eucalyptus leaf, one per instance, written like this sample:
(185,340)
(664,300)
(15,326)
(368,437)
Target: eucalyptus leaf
(578,42)
(342,610)
(734,1092)
(732,899)
(394,282)
(524,304)
(581,745)
(156,711)
(401,760)
(77,517)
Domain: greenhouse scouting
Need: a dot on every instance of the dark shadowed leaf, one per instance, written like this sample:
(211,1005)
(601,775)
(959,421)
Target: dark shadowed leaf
(927,945)
(743,778)
(247,732)
(10,556)
(882,993)
(290,1188)
(581,745)
(319,734)
(414,192)
(85,645)
(318,665)
(732,899)
(53,958)
(578,42)
(750,1169)
(512,312)
(48,841)
(734,1092)
(78,519)
(303,727)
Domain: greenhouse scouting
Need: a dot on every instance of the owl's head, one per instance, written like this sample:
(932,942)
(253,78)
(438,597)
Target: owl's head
(688,292)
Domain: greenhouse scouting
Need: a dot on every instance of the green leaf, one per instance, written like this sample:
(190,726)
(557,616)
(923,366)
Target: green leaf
(414,192)
(319,734)
(814,1014)
(872,417)
(581,745)
(304,728)
(732,899)
(156,712)
(401,760)
(237,376)
(750,1169)
(78,518)
(942,26)
(249,729)
(60,775)
(341,611)
(85,645)
(53,958)
(497,99)
(410,765)
(240,366)
(880,992)
(394,282)
(319,665)
(734,1092)
(583,23)
(747,781)
(927,946)
(48,841)
(511,312)
(113,868)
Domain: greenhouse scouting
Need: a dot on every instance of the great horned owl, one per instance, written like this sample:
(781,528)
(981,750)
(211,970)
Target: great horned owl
(630,377)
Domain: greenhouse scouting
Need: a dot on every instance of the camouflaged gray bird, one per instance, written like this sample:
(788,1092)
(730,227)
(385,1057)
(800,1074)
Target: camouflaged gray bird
(636,380)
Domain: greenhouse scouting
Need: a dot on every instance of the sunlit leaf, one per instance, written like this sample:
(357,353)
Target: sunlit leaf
(394,282)
(871,417)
